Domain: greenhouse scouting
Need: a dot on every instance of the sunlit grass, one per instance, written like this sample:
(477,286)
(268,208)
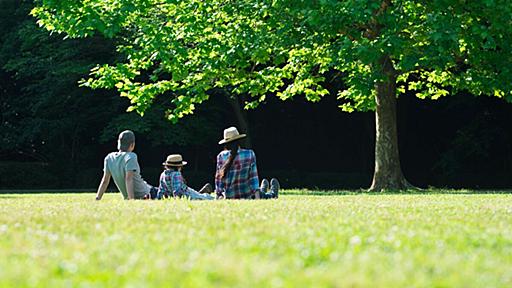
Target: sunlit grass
(346,239)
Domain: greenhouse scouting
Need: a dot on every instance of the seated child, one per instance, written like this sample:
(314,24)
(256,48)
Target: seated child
(173,184)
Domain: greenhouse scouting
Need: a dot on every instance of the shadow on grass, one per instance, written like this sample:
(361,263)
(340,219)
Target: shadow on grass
(430,191)
(8,196)
(50,191)
(296,191)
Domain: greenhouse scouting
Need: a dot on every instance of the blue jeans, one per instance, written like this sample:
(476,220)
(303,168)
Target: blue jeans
(194,195)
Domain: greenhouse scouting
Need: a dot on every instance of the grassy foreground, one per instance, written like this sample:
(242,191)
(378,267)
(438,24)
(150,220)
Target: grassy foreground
(295,241)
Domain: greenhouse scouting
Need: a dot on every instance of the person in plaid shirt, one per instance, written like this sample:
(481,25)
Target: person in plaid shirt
(236,176)
(173,184)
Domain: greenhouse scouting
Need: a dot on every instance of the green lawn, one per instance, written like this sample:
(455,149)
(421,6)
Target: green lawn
(358,240)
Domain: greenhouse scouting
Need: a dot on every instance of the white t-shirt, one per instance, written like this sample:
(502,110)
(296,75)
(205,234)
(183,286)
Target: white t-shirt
(117,163)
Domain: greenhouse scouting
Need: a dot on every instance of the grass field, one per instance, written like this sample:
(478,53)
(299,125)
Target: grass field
(357,240)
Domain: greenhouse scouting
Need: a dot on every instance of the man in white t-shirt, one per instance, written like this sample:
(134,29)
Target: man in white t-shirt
(124,168)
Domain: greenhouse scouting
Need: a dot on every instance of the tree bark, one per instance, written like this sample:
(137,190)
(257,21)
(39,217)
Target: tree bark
(241,116)
(388,172)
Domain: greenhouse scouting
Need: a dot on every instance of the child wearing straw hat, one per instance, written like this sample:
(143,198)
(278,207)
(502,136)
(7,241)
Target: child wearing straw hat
(237,175)
(173,184)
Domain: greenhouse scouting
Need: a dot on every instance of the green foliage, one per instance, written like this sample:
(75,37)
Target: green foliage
(286,47)
(159,132)
(45,117)
(365,241)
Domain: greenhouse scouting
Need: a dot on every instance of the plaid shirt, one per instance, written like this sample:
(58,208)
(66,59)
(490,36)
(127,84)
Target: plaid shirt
(241,180)
(172,183)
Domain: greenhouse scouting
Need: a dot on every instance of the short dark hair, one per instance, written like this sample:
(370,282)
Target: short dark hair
(126,138)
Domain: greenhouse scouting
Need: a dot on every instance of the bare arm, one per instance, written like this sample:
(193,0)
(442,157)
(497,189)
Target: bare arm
(129,184)
(105,180)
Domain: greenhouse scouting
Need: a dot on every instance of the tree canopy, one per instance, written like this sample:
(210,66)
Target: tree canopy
(287,47)
(46,117)
(377,49)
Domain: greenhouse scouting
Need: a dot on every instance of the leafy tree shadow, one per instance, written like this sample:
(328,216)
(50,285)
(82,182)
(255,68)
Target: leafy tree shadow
(429,191)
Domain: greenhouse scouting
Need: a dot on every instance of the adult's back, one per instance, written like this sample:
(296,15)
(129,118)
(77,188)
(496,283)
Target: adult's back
(117,164)
(124,168)
(236,176)
(241,179)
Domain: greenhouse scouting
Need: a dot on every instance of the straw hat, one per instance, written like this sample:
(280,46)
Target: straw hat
(231,134)
(174,160)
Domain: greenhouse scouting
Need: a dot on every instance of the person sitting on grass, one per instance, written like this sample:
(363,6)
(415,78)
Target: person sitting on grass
(124,168)
(173,184)
(236,176)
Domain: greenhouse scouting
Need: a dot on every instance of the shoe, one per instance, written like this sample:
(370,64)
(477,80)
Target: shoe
(221,196)
(207,188)
(274,187)
(264,186)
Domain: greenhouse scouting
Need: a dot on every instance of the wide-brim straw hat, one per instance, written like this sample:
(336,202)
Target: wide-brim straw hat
(174,160)
(231,134)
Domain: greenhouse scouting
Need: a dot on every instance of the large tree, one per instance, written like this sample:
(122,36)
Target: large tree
(379,49)
(46,118)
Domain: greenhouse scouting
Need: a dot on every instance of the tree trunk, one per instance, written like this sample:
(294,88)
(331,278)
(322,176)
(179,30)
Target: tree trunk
(241,116)
(388,172)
